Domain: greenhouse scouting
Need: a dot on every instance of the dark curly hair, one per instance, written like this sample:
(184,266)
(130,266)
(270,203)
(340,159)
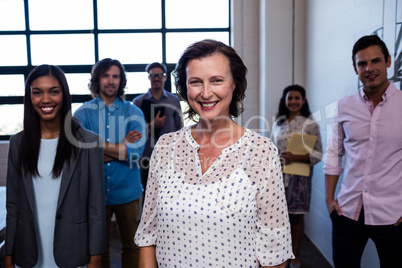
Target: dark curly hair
(205,48)
(283,111)
(99,69)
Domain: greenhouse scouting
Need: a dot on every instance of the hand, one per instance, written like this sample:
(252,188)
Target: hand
(8,261)
(158,122)
(107,158)
(333,205)
(132,136)
(398,222)
(286,158)
(95,261)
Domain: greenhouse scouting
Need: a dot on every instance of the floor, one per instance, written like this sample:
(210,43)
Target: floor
(310,255)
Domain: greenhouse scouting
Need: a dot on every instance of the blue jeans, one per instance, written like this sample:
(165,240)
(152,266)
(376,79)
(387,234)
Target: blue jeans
(349,238)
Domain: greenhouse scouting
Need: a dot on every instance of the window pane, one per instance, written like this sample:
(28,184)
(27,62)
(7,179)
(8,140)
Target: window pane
(78,83)
(12,85)
(172,85)
(131,48)
(197,14)
(137,83)
(12,123)
(58,49)
(176,43)
(61,15)
(13,50)
(12,15)
(186,121)
(129,14)
(75,106)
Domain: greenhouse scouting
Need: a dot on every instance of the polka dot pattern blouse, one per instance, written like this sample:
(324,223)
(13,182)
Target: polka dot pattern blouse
(233,215)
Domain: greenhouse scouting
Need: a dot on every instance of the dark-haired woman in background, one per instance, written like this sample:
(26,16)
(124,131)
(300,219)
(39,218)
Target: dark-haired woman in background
(294,116)
(55,196)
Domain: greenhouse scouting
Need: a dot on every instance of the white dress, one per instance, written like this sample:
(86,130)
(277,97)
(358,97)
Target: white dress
(233,215)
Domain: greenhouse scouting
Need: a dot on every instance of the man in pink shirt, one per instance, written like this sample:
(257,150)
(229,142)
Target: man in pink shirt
(367,130)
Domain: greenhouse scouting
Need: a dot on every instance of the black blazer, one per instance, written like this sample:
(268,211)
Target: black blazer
(80,217)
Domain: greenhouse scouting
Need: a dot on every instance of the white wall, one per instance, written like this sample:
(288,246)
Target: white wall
(245,40)
(263,37)
(323,33)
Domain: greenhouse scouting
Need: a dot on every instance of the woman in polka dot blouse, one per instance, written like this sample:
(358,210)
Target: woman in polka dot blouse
(294,117)
(215,194)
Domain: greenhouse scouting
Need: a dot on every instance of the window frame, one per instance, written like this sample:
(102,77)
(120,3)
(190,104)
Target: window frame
(76,98)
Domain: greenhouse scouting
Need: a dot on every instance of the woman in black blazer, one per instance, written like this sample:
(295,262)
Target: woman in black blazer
(55,194)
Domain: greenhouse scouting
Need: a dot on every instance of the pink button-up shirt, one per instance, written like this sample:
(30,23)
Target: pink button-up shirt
(371,139)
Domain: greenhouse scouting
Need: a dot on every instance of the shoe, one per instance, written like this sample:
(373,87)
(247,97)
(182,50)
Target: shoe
(291,265)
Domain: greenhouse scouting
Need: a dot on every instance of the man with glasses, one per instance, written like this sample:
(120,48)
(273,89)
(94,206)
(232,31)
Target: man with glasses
(161,110)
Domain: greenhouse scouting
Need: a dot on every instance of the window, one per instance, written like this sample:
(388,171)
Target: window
(75,34)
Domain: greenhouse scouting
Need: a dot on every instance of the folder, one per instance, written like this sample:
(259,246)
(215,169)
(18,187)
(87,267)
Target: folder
(299,144)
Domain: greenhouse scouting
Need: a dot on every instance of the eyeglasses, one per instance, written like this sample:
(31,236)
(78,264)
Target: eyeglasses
(156,75)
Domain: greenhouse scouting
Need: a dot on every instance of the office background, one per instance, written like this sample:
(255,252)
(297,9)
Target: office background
(307,42)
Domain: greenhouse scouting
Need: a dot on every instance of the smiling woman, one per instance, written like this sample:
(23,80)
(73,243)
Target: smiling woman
(47,100)
(210,86)
(294,116)
(204,188)
(48,178)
